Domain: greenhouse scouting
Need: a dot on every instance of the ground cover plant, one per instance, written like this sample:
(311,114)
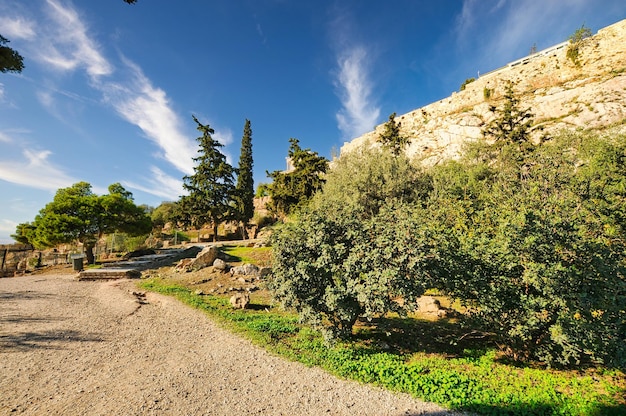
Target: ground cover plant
(427,359)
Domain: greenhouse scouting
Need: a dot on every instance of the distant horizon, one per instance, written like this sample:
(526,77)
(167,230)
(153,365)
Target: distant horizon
(108,90)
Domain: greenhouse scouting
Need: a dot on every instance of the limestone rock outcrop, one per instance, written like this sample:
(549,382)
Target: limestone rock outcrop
(560,94)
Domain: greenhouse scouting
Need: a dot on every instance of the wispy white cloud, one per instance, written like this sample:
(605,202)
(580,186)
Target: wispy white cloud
(72,47)
(17,28)
(359,113)
(148,107)
(8,135)
(509,28)
(161,185)
(66,45)
(35,171)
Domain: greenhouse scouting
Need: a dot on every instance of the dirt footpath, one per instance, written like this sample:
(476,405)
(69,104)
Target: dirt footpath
(96,348)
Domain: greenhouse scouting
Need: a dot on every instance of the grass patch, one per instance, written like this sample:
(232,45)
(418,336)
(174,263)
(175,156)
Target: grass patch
(256,255)
(422,358)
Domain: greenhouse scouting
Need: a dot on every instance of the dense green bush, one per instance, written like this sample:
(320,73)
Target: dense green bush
(358,250)
(530,238)
(542,247)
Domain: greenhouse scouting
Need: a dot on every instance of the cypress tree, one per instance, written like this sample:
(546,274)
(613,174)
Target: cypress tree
(245,180)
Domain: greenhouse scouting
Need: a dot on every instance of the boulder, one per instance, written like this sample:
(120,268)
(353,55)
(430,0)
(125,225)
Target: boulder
(205,258)
(240,300)
(246,270)
(220,264)
(431,306)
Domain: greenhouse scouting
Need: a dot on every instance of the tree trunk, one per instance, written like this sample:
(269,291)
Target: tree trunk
(214,231)
(89,253)
(244,232)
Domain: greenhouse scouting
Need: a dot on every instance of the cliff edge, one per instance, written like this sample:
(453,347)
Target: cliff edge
(562,94)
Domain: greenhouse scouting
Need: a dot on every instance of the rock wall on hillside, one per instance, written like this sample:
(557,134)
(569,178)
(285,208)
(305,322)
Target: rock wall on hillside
(560,94)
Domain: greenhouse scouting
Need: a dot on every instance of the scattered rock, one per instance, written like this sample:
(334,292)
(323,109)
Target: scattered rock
(184,265)
(246,270)
(199,292)
(240,300)
(220,264)
(265,271)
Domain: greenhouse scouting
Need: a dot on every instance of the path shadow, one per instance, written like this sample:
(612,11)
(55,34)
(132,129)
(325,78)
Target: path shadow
(47,340)
(24,295)
(17,319)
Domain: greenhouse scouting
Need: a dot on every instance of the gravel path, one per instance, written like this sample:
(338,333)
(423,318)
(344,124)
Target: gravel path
(95,348)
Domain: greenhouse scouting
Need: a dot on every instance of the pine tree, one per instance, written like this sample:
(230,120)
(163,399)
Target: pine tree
(245,181)
(512,124)
(210,188)
(292,189)
(391,137)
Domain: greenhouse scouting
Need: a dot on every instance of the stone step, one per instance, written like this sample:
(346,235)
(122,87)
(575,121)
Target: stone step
(109,274)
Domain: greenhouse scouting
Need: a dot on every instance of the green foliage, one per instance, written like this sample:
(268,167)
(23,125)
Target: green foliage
(211,189)
(476,381)
(343,259)
(466,82)
(391,137)
(163,214)
(262,190)
(580,34)
(22,232)
(245,182)
(10,59)
(77,214)
(541,250)
(365,180)
(575,42)
(292,189)
(487,92)
(511,124)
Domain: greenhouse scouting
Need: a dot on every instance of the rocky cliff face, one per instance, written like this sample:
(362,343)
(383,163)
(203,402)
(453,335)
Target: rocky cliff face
(560,94)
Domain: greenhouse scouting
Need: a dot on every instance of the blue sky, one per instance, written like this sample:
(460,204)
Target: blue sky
(109,88)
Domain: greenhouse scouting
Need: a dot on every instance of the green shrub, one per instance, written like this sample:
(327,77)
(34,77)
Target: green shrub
(353,253)
(466,82)
(541,259)
(575,41)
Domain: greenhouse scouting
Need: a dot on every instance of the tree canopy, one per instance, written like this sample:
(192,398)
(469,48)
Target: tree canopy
(10,59)
(292,189)
(76,214)
(211,189)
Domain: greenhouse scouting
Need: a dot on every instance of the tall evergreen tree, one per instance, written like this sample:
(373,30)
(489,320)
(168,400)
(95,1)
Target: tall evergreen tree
(295,187)
(245,181)
(211,188)
(512,124)
(391,137)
